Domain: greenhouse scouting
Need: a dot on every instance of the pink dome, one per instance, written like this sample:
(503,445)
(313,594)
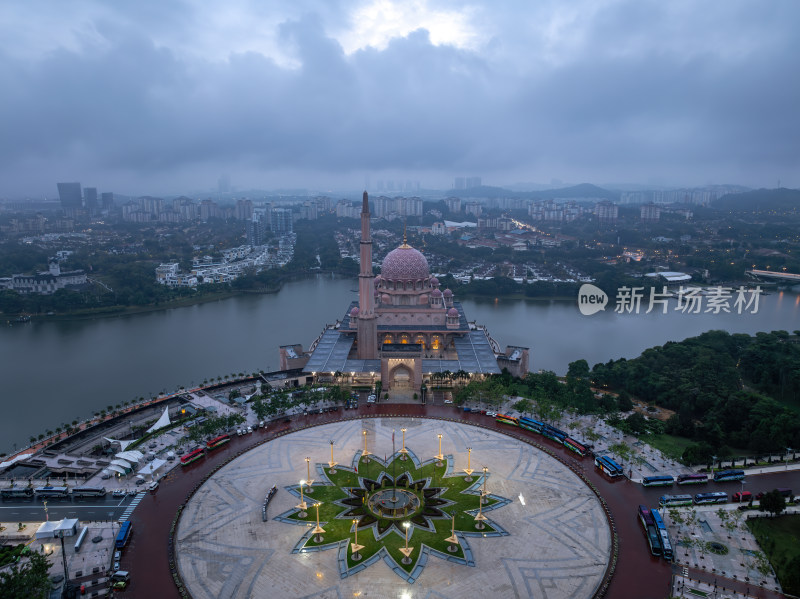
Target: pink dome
(386,299)
(436,293)
(452,312)
(423,299)
(404,264)
(354,311)
(434,282)
(448,293)
(376,281)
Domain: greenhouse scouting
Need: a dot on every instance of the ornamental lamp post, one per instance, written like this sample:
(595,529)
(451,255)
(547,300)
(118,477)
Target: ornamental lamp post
(318,530)
(480,517)
(403,451)
(407,550)
(309,480)
(452,539)
(439,457)
(468,470)
(302,506)
(355,547)
(332,464)
(485,495)
(365,454)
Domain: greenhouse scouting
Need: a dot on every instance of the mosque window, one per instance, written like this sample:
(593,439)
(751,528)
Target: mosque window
(387,339)
(435,342)
(404,338)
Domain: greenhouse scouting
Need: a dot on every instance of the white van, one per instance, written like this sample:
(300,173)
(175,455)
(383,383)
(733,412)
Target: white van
(249,429)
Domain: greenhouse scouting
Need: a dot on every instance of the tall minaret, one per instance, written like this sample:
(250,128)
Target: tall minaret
(367,324)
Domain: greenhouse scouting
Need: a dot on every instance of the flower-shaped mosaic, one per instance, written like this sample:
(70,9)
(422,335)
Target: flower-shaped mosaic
(382,500)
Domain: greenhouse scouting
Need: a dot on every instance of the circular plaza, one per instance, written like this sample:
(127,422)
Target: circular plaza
(439,509)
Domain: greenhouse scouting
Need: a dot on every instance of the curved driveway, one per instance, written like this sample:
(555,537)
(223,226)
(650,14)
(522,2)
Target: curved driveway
(638,574)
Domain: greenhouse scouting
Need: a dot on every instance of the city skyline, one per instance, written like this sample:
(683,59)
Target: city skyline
(161,99)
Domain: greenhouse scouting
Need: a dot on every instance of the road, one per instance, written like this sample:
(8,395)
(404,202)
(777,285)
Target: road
(638,575)
(89,509)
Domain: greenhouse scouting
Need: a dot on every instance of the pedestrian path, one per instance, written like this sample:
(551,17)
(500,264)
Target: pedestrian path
(131,506)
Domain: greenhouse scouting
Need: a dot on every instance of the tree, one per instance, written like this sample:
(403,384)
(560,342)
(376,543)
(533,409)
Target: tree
(773,502)
(579,369)
(27,581)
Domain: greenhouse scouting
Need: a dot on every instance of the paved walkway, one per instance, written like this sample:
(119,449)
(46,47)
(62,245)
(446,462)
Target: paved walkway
(558,547)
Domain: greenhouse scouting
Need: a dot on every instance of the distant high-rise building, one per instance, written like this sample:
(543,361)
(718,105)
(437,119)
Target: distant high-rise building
(606,212)
(244,209)
(257,227)
(280,220)
(90,199)
(459,183)
(471,182)
(650,213)
(70,196)
(224,184)
(107,199)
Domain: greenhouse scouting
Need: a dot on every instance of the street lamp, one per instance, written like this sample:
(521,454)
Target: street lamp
(407,550)
(485,497)
(332,464)
(309,480)
(439,455)
(318,530)
(480,517)
(403,451)
(452,539)
(365,454)
(468,470)
(355,547)
(302,505)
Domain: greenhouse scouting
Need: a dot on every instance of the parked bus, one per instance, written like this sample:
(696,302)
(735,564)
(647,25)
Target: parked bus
(692,479)
(666,544)
(51,492)
(573,445)
(657,481)
(554,433)
(507,419)
(531,424)
(123,535)
(722,476)
(650,530)
(89,492)
(192,456)
(17,493)
(609,466)
(669,501)
(706,498)
(218,441)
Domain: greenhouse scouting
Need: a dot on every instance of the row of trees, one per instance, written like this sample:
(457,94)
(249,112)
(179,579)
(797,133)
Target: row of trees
(728,391)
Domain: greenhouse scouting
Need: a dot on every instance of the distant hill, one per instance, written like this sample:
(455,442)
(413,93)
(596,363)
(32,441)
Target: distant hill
(762,200)
(584,190)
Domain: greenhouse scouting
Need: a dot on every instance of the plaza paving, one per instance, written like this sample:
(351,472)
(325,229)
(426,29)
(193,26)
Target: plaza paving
(558,546)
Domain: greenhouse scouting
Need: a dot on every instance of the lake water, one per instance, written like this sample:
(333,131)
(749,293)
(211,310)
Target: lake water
(56,372)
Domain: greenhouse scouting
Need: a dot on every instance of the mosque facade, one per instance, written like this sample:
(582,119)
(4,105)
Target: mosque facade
(402,329)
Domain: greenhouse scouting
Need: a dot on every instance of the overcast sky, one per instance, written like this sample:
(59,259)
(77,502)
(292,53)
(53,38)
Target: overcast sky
(162,96)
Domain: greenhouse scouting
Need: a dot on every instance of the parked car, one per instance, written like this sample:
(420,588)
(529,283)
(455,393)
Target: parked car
(741,496)
(117,555)
(372,398)
(448,401)
(491,414)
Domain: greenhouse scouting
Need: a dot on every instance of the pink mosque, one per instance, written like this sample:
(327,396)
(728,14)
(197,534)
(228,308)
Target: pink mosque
(402,329)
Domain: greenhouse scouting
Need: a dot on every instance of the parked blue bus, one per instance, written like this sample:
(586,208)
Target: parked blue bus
(726,475)
(692,479)
(531,424)
(553,433)
(607,465)
(666,544)
(650,530)
(657,481)
(674,500)
(123,535)
(575,446)
(706,498)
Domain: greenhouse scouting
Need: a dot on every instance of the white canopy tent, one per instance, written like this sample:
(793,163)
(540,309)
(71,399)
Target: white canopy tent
(133,456)
(151,468)
(122,444)
(162,422)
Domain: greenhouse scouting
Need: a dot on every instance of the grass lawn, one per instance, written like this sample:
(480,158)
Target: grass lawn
(669,445)
(778,539)
(341,528)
